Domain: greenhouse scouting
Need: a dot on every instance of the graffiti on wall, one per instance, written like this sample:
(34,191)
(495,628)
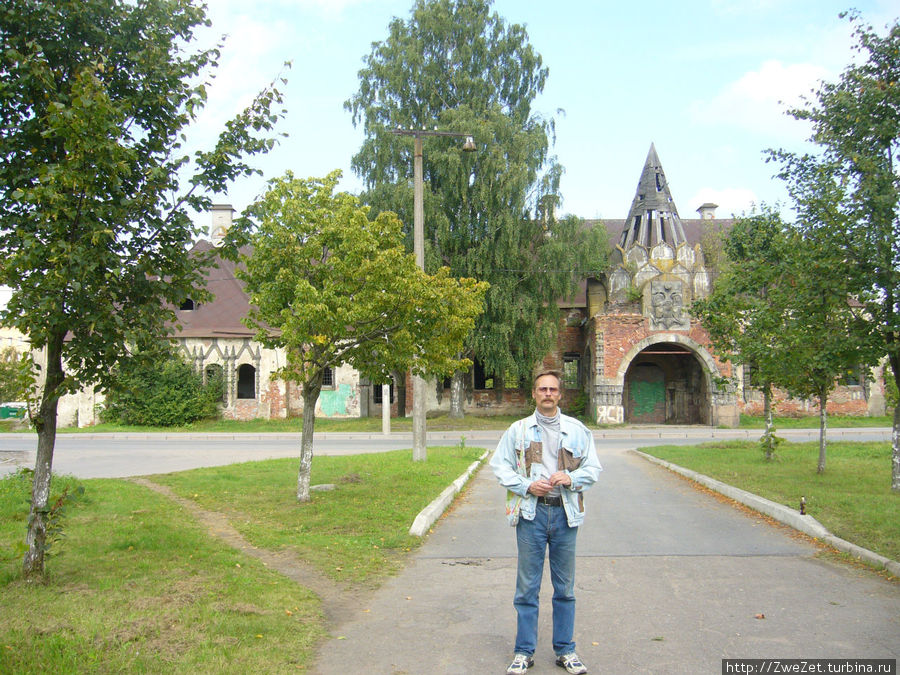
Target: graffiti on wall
(339,401)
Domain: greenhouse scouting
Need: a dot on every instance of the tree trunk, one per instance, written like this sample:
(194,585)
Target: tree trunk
(895,452)
(823,427)
(769,442)
(456,395)
(400,388)
(311,391)
(36,538)
(499,387)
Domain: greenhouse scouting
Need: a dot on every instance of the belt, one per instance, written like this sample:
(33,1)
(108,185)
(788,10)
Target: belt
(550,501)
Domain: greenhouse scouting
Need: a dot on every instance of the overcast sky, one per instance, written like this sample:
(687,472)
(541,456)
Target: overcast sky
(707,81)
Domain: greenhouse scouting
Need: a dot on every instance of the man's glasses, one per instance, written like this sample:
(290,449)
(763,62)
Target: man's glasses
(547,390)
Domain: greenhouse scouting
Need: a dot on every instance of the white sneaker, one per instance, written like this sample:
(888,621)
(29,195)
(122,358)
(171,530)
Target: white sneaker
(520,664)
(571,663)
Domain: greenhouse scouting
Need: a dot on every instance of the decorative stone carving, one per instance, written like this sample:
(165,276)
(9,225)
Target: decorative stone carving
(667,306)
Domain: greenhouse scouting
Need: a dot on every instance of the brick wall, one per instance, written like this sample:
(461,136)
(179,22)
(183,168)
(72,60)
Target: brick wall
(844,400)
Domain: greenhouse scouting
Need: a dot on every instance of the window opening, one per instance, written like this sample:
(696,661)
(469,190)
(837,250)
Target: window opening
(480,380)
(571,371)
(246,381)
(379,399)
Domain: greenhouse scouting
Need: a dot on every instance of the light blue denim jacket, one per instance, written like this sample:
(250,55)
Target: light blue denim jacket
(515,470)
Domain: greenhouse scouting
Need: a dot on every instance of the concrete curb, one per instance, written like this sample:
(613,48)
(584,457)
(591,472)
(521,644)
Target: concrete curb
(803,523)
(433,511)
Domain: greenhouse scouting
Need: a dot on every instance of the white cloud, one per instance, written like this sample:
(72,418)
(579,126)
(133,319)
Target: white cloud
(757,101)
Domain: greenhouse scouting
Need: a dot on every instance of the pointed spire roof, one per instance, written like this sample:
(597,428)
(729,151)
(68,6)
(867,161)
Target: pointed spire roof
(653,217)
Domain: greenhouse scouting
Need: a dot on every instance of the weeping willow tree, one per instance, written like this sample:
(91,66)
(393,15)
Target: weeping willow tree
(457,66)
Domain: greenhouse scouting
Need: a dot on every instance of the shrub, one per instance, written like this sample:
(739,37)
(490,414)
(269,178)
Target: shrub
(158,388)
(11,386)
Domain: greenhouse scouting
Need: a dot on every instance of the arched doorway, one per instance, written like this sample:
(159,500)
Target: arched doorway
(665,383)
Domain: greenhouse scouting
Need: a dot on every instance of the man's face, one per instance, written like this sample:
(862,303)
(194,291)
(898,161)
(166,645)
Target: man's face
(546,395)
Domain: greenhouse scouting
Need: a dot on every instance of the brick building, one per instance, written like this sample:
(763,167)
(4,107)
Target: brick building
(628,349)
(627,346)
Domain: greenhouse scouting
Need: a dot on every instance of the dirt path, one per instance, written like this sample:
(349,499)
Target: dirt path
(339,603)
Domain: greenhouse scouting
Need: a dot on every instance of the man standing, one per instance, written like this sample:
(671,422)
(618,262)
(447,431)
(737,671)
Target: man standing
(545,461)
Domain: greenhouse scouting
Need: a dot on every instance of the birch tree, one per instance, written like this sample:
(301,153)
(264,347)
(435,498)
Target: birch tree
(847,190)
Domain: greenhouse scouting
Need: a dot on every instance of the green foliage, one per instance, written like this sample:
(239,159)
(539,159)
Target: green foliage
(96,98)
(97,192)
(11,385)
(340,288)
(769,443)
(330,286)
(578,406)
(847,193)
(891,393)
(741,316)
(160,390)
(458,66)
(634,293)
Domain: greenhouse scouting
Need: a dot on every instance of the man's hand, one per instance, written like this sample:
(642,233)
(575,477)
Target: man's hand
(560,478)
(540,487)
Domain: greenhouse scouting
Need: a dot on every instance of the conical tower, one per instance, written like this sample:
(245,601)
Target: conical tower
(653,245)
(653,218)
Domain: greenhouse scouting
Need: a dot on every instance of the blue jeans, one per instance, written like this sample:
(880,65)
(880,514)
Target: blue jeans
(548,529)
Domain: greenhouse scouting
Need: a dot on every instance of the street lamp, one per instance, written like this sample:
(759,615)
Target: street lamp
(418,382)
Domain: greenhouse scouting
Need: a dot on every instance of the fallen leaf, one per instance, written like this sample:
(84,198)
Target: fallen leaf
(288,612)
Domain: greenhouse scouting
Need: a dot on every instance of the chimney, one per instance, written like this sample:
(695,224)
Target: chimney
(222,215)
(707,211)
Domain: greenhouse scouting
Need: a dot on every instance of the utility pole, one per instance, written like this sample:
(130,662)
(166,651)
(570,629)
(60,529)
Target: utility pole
(418,382)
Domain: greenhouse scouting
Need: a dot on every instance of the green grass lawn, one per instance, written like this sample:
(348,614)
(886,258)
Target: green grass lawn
(812,422)
(137,585)
(853,498)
